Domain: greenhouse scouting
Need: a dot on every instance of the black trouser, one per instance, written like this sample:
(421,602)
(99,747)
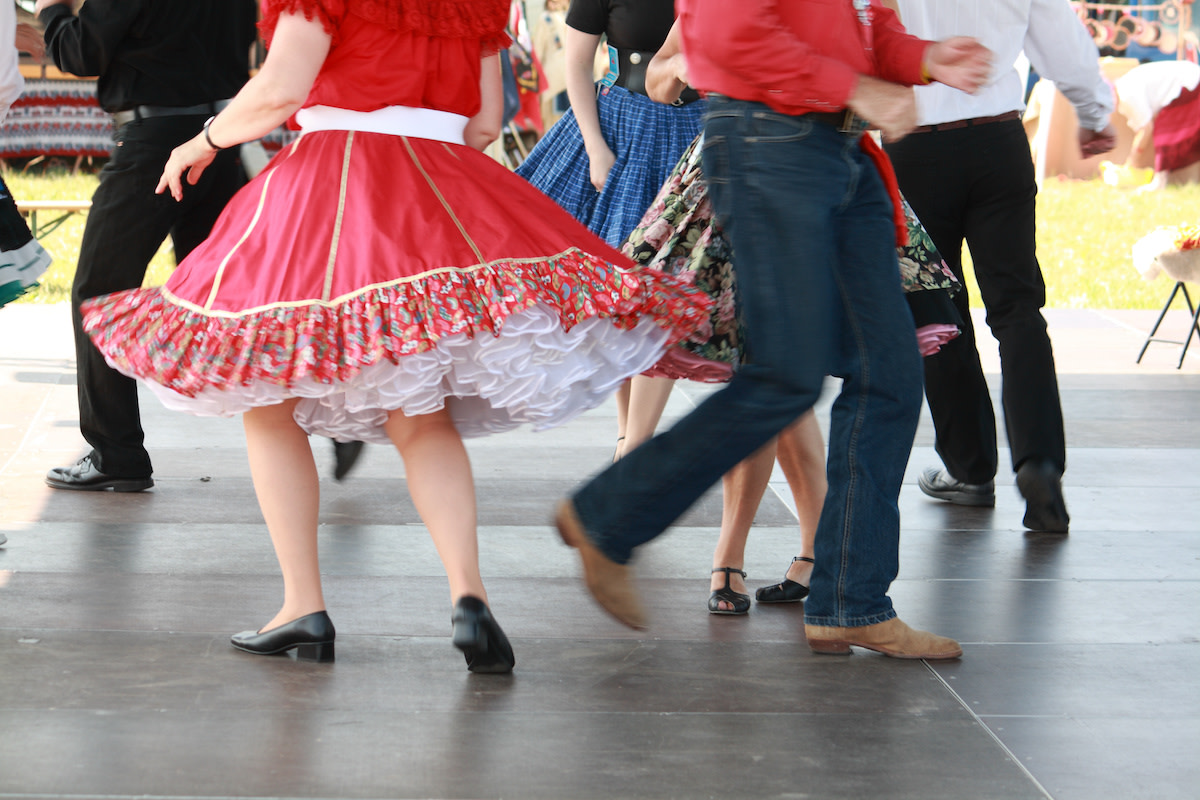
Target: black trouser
(977,183)
(127,224)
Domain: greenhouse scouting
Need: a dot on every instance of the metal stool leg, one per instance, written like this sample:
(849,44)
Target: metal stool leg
(1194,329)
(1178,285)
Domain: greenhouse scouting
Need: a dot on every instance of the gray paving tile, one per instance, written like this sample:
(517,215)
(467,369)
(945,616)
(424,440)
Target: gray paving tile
(117,680)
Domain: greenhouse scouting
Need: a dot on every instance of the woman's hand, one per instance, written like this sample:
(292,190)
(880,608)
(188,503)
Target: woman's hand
(960,61)
(599,165)
(192,157)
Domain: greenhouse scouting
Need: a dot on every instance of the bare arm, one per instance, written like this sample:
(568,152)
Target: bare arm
(579,49)
(274,94)
(666,74)
(484,127)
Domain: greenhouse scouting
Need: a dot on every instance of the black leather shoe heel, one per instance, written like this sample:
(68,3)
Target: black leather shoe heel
(310,636)
(478,635)
(345,456)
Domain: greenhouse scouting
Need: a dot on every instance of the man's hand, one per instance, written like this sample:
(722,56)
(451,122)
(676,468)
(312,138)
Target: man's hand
(888,106)
(1093,143)
(960,61)
(29,40)
(44,4)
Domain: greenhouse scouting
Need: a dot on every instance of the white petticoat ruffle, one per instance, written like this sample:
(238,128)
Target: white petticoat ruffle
(532,373)
(25,264)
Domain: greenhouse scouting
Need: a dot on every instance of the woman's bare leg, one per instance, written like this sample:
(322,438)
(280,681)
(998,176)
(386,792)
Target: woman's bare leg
(801,455)
(286,483)
(443,490)
(742,491)
(647,399)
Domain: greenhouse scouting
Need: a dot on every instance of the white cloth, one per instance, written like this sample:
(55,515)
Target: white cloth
(1048,31)
(1149,88)
(418,123)
(11,82)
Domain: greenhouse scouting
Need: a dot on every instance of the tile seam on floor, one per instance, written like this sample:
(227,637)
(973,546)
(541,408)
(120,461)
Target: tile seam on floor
(987,729)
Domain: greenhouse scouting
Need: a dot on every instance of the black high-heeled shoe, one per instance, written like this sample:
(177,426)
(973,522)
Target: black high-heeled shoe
(740,602)
(478,635)
(311,636)
(786,591)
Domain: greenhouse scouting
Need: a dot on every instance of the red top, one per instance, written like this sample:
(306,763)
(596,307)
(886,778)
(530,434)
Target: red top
(419,53)
(794,55)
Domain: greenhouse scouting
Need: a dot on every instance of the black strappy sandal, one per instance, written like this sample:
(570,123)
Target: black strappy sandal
(786,591)
(739,601)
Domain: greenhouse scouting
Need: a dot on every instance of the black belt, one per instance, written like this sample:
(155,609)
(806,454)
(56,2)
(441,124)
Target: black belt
(846,121)
(632,75)
(1007,116)
(121,118)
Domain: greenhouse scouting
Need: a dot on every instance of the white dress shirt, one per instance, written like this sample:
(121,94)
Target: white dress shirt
(11,82)
(1048,31)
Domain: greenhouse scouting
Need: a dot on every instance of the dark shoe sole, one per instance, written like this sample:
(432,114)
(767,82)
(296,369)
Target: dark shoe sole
(322,652)
(116,484)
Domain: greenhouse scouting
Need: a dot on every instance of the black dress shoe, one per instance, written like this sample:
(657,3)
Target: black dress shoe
(84,476)
(478,635)
(941,484)
(345,456)
(1040,483)
(786,591)
(310,636)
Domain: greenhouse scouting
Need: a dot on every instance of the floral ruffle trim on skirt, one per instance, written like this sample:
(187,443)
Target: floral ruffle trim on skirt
(501,345)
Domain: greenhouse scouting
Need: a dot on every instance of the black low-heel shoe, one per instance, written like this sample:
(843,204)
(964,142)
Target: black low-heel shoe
(786,591)
(478,635)
(310,636)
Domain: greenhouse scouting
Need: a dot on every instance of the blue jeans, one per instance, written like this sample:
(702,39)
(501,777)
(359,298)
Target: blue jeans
(811,226)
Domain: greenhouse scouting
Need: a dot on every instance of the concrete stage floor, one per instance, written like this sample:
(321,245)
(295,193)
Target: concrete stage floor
(1080,679)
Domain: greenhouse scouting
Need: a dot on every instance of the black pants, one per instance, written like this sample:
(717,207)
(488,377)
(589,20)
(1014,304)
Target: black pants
(127,224)
(977,184)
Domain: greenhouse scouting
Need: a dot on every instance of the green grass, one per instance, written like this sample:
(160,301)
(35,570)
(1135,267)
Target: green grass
(1085,234)
(63,241)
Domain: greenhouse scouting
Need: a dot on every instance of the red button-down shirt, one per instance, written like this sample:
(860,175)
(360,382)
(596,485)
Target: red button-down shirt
(794,55)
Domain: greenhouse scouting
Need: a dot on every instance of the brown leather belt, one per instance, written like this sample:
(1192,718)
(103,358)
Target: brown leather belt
(968,123)
(846,121)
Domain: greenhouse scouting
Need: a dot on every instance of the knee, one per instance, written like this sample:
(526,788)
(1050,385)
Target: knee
(403,430)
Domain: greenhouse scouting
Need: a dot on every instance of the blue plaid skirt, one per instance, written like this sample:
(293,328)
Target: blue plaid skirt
(647,139)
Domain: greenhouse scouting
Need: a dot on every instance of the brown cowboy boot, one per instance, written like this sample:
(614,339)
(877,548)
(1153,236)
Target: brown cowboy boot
(892,638)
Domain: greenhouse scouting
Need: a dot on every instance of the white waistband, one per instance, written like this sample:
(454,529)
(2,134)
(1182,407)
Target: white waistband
(420,123)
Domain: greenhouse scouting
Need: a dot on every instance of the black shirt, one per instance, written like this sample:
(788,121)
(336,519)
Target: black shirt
(155,52)
(629,24)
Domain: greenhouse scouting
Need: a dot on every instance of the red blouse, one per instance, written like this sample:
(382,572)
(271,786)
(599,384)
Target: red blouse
(420,53)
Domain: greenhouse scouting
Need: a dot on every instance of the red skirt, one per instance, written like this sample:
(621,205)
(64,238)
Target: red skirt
(1177,132)
(367,272)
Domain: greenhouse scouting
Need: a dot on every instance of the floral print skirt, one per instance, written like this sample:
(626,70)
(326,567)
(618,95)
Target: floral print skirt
(680,235)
